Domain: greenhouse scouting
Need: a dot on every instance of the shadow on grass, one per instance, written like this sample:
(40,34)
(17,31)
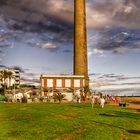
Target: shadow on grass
(119,127)
(122,114)
(134,131)
(108,115)
(77,105)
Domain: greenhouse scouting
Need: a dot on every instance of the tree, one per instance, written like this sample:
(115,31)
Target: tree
(10,76)
(59,96)
(86,92)
(4,76)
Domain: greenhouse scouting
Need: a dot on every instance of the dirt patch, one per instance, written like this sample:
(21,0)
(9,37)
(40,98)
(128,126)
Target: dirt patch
(24,108)
(112,104)
(134,106)
(122,136)
(70,136)
(78,133)
(134,100)
(65,116)
(131,105)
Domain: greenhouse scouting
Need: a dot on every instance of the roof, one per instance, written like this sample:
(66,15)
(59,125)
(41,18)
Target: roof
(63,76)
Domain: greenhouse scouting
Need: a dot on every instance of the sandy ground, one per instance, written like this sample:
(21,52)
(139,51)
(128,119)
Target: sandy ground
(134,106)
(134,102)
(131,105)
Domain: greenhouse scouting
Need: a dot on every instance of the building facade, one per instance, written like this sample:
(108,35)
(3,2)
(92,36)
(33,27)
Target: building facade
(17,77)
(65,83)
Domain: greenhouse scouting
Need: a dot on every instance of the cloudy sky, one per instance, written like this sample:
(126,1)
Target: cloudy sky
(36,36)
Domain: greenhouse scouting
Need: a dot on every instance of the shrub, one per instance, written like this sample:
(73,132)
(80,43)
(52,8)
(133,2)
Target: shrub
(59,96)
(41,99)
(3,98)
(2,91)
(24,99)
(124,104)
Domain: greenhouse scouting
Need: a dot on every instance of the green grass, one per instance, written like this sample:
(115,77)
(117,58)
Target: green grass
(67,122)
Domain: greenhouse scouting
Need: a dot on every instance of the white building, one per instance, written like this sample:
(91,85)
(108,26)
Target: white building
(17,77)
(68,84)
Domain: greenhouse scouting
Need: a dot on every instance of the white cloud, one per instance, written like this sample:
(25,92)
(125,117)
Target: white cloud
(128,9)
(48,46)
(98,51)
(90,53)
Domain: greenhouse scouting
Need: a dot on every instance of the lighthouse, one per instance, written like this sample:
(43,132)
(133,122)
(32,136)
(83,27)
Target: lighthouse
(80,40)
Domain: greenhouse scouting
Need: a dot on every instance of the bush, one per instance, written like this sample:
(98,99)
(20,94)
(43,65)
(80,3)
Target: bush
(24,99)
(59,96)
(41,99)
(2,91)
(124,104)
(3,98)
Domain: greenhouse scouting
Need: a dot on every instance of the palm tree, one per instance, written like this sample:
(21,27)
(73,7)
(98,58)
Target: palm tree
(1,77)
(4,75)
(59,96)
(10,76)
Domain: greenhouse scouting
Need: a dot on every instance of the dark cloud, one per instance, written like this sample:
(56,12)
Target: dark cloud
(114,80)
(21,70)
(4,44)
(36,16)
(128,78)
(126,84)
(123,92)
(94,74)
(117,40)
(130,84)
(47,21)
(112,76)
(123,13)
(18,68)
(28,77)
(3,66)
(39,27)
(57,15)
(30,81)
(53,22)
(115,76)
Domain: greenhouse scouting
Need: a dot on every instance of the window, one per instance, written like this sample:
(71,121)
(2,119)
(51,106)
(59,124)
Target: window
(68,83)
(77,83)
(58,83)
(49,82)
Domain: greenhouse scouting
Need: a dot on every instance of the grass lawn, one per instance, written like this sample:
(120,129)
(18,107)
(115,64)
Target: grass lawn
(68,122)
